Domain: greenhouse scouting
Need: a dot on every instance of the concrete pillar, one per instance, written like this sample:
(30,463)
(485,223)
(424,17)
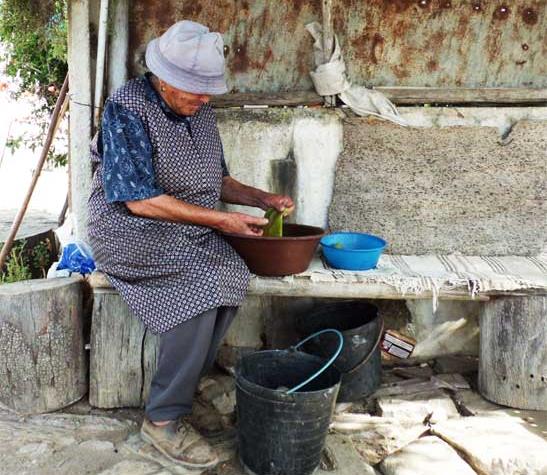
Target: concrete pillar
(118,44)
(80,126)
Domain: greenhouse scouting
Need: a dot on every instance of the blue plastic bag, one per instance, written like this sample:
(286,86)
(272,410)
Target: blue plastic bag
(77,257)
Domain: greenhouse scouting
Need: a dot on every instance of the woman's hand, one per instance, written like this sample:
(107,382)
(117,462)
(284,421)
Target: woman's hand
(279,202)
(240,223)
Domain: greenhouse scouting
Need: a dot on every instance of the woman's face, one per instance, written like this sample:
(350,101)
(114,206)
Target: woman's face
(182,102)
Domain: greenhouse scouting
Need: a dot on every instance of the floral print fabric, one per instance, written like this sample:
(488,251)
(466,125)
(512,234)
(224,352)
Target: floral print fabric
(128,170)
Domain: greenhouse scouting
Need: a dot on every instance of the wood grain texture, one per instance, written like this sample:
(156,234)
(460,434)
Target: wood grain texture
(122,354)
(513,352)
(42,356)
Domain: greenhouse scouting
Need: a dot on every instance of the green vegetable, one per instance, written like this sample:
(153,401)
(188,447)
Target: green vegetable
(338,245)
(274,228)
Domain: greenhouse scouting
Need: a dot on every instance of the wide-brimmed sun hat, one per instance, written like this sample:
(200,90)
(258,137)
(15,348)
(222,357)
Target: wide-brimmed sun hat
(189,57)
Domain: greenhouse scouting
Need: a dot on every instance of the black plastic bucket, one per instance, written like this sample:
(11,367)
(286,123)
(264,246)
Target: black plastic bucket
(281,433)
(360,360)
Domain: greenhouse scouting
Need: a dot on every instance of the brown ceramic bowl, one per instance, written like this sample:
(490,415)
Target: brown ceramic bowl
(273,256)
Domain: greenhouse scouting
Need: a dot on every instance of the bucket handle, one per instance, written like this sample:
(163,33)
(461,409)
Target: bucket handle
(326,365)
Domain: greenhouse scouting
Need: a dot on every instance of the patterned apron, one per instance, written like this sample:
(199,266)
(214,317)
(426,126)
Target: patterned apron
(167,272)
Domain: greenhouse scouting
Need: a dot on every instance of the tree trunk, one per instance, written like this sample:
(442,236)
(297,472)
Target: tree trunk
(513,352)
(123,354)
(42,356)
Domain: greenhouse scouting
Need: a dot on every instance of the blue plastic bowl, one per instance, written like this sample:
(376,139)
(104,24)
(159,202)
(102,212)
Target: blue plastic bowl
(352,251)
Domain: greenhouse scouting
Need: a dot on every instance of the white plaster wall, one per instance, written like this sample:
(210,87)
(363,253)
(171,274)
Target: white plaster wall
(254,139)
(316,146)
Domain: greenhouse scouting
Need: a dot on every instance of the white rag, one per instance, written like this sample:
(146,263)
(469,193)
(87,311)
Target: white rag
(330,79)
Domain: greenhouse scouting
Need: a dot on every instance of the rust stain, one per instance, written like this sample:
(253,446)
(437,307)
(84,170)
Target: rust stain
(477,7)
(529,16)
(432,65)
(240,63)
(377,47)
(399,6)
(299,4)
(400,72)
(191,10)
(502,12)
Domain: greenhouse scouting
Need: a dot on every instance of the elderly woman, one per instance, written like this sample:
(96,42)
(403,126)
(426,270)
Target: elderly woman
(159,174)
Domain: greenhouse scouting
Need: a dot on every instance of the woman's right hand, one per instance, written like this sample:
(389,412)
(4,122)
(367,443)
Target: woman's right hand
(240,223)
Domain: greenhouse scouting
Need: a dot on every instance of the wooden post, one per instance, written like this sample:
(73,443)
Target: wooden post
(513,352)
(123,354)
(328,41)
(42,358)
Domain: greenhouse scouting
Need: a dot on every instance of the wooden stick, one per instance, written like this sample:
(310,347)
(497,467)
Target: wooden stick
(62,214)
(328,41)
(55,119)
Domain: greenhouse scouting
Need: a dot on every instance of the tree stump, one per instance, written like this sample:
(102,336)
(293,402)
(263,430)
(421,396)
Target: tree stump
(42,355)
(513,352)
(123,354)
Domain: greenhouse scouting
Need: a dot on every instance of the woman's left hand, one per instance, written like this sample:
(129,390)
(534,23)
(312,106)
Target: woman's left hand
(279,202)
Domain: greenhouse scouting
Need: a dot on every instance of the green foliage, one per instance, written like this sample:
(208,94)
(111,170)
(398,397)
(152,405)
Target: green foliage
(17,267)
(41,256)
(35,34)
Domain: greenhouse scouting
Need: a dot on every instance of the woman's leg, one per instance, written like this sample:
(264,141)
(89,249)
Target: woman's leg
(225,317)
(184,351)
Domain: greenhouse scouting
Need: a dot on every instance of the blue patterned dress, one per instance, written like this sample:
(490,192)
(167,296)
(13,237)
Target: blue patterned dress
(166,272)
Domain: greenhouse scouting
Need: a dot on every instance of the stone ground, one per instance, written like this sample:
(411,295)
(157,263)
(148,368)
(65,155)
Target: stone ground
(424,419)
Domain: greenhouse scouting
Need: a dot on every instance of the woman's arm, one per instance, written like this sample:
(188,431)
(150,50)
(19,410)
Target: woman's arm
(237,193)
(168,208)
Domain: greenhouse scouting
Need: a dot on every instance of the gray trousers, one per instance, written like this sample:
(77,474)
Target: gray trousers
(187,352)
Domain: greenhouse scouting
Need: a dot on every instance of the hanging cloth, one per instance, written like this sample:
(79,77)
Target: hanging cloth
(330,79)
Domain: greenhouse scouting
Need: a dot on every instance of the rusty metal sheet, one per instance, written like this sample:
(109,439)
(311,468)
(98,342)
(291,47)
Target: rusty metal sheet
(436,43)
(267,47)
(444,43)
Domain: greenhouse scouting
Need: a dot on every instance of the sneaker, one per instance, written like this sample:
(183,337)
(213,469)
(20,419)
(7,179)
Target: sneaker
(180,443)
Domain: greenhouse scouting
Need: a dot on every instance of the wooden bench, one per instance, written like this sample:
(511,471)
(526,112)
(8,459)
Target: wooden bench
(123,354)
